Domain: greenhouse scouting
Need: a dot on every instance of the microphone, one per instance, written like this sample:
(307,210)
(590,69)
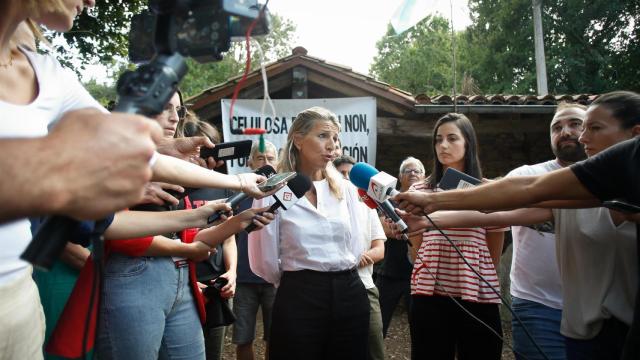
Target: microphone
(378,184)
(288,196)
(236,199)
(387,210)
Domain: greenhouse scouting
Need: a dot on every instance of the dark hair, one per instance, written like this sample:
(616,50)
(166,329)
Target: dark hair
(624,105)
(343,159)
(471,160)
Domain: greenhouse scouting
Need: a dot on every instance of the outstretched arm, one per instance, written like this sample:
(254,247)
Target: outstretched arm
(134,224)
(507,193)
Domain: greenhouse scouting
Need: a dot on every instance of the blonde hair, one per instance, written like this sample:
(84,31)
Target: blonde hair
(29,31)
(25,35)
(37,7)
(302,125)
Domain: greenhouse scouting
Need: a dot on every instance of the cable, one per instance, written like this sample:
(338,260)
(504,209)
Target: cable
(504,302)
(473,316)
(247,67)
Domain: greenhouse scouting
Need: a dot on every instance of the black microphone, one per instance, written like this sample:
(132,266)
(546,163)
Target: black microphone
(235,200)
(288,196)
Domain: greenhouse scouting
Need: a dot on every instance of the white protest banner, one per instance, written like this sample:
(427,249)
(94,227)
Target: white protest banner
(357,118)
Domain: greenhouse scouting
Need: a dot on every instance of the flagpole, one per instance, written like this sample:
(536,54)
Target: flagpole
(453,55)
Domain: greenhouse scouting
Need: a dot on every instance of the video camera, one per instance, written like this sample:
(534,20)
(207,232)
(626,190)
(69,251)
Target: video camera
(202,29)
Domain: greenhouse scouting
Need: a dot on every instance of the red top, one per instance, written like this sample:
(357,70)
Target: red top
(66,339)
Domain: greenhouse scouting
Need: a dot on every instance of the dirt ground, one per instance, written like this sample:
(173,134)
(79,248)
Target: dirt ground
(398,341)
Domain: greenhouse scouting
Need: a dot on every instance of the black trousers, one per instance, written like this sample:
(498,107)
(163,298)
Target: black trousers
(320,315)
(440,329)
(392,290)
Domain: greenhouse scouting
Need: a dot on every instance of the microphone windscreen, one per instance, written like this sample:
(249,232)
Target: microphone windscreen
(371,204)
(361,173)
(190,129)
(266,170)
(299,185)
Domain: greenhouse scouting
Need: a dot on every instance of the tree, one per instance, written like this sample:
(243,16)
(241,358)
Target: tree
(419,60)
(591,46)
(101,92)
(101,35)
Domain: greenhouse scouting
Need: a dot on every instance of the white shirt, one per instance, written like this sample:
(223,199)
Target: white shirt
(309,238)
(534,269)
(373,230)
(59,91)
(598,262)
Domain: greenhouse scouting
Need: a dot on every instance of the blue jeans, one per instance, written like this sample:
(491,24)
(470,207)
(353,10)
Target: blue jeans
(148,311)
(543,323)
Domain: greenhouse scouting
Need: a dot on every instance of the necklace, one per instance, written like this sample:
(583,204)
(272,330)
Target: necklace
(7,64)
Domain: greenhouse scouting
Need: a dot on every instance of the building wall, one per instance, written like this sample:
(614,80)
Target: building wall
(506,141)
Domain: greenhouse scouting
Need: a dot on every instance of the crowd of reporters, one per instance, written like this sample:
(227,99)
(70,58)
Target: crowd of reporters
(64,154)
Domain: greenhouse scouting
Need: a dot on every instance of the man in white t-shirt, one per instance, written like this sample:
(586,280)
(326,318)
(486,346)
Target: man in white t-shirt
(535,282)
(374,252)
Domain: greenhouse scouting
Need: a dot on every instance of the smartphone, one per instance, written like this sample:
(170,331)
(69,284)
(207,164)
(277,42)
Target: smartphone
(227,151)
(621,206)
(277,179)
(454,179)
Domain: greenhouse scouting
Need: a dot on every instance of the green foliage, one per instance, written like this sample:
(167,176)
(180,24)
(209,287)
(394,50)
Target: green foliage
(590,46)
(102,92)
(102,35)
(418,60)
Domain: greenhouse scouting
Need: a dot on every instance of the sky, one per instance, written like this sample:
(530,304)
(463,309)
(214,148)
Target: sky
(344,32)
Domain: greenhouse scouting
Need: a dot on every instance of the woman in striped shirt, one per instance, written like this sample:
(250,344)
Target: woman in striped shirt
(440,328)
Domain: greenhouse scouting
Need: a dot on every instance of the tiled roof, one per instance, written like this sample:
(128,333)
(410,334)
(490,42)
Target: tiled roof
(299,56)
(501,99)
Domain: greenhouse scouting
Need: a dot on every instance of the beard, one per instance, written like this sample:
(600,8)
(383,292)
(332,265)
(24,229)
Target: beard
(569,153)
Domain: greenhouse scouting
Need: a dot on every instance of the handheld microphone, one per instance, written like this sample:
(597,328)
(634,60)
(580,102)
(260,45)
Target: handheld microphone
(378,184)
(235,200)
(387,210)
(288,196)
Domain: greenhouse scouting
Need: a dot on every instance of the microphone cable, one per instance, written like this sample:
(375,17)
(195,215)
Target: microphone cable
(504,302)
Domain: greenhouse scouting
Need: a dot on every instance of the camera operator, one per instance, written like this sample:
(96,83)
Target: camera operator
(89,165)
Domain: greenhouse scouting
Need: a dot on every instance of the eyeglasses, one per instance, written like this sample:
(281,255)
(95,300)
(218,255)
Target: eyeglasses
(180,110)
(411,171)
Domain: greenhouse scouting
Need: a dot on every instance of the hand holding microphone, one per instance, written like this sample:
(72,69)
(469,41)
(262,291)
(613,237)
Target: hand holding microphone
(235,200)
(387,209)
(288,196)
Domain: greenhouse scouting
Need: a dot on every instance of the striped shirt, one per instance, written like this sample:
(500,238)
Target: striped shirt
(438,261)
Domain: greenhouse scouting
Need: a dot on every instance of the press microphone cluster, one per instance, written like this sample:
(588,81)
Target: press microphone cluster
(235,200)
(387,209)
(379,185)
(288,196)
